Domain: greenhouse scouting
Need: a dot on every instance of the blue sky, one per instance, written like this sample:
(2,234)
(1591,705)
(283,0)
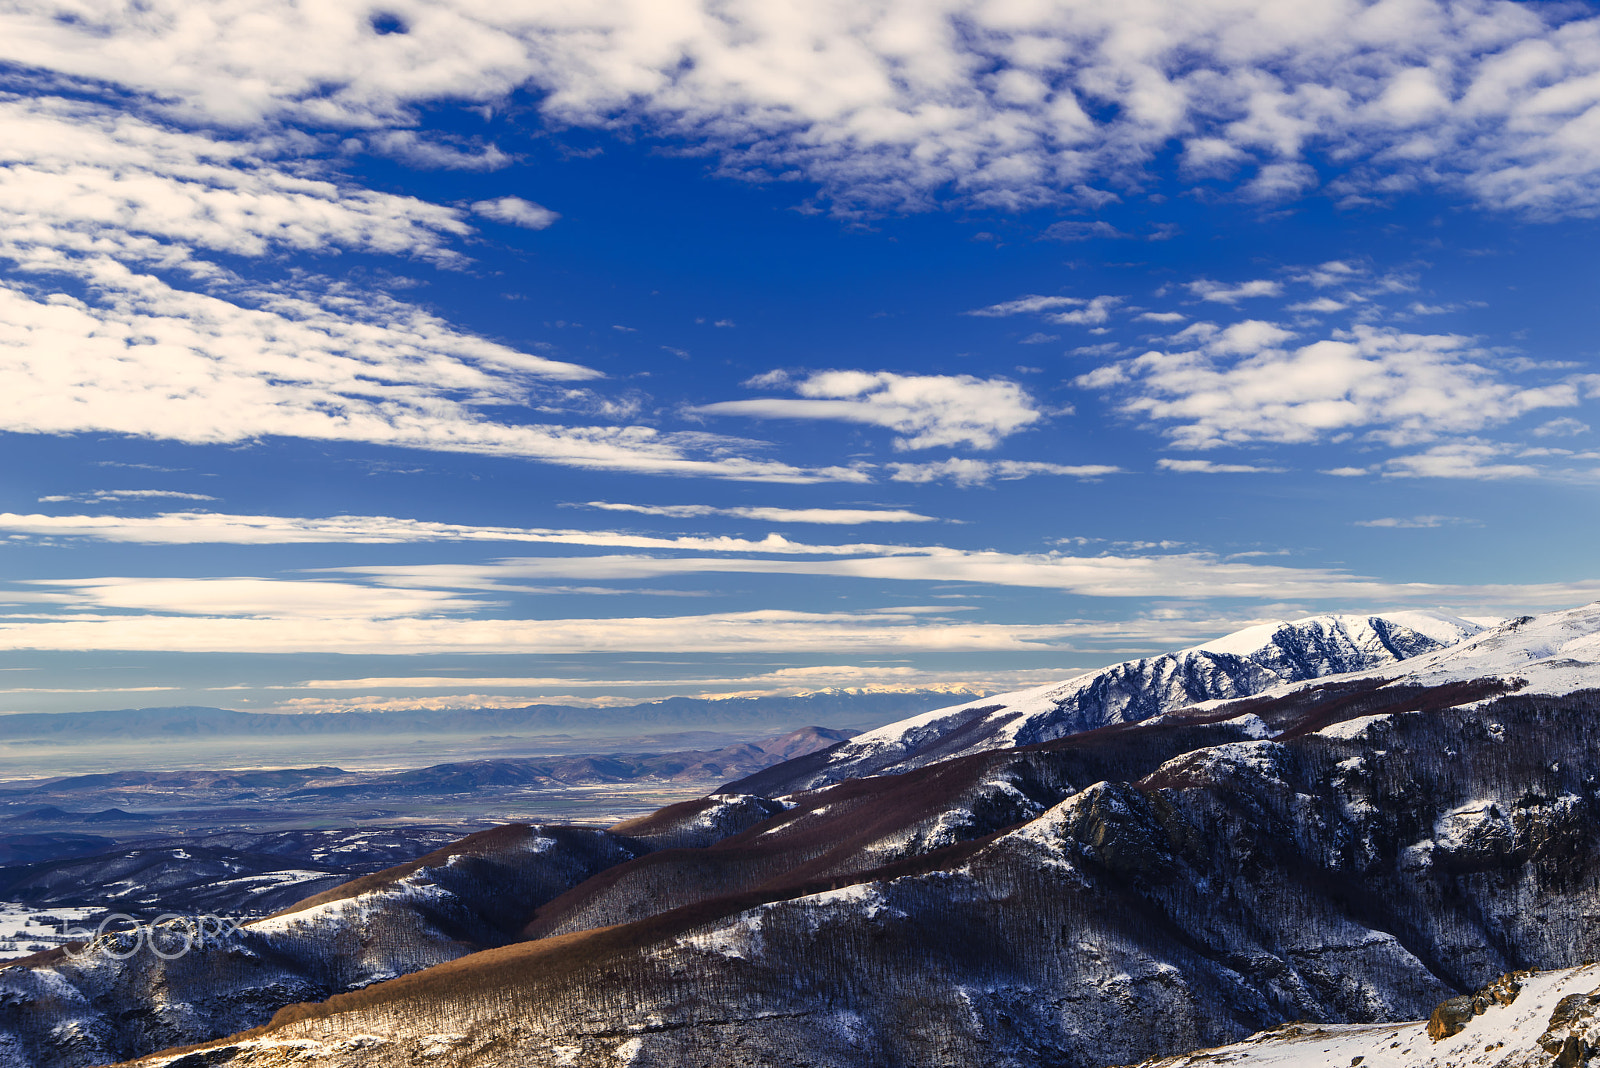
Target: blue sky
(427,353)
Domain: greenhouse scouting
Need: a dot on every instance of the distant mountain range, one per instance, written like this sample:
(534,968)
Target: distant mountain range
(845,707)
(1346,820)
(136,805)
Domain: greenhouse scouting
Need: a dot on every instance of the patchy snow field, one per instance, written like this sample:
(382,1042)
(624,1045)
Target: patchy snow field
(26,929)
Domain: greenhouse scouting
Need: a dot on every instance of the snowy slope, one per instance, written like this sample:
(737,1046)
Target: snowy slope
(1502,1036)
(1242,664)
(1554,653)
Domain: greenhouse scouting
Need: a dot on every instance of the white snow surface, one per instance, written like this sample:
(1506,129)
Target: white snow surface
(1440,626)
(349,911)
(25,929)
(1352,730)
(1026,711)
(1505,1036)
(1555,653)
(741,934)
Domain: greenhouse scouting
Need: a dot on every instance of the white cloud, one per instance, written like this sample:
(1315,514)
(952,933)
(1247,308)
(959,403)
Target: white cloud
(103,496)
(406,609)
(1125,574)
(202,528)
(868,677)
(148,360)
(1332,273)
(1162,317)
(247,615)
(967,472)
(830,516)
(1221,293)
(925,410)
(1280,181)
(515,211)
(1470,459)
(768,631)
(431,154)
(1319,306)
(1064,311)
(1029,305)
(112,207)
(1008,105)
(87,180)
(1243,384)
(1347,472)
(1417,522)
(1082,230)
(274,599)
(1206,467)
(1562,428)
(1096,311)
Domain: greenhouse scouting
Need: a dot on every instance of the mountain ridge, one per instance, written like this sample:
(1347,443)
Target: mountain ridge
(1241,664)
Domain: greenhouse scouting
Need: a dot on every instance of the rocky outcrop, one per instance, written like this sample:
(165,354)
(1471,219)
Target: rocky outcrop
(1451,1016)
(1573,1034)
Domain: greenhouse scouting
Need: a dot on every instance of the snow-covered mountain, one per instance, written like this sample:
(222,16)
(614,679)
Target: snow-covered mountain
(1354,848)
(1549,654)
(1107,896)
(1241,664)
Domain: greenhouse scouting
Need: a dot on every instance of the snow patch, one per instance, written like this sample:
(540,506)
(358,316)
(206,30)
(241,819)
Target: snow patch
(1252,725)
(1503,1035)
(740,939)
(1354,730)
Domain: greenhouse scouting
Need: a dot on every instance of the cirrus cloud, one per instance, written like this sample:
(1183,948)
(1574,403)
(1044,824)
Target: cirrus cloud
(828,516)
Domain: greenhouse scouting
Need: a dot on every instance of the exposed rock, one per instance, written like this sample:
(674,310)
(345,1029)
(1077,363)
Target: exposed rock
(1452,1015)
(1573,1033)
